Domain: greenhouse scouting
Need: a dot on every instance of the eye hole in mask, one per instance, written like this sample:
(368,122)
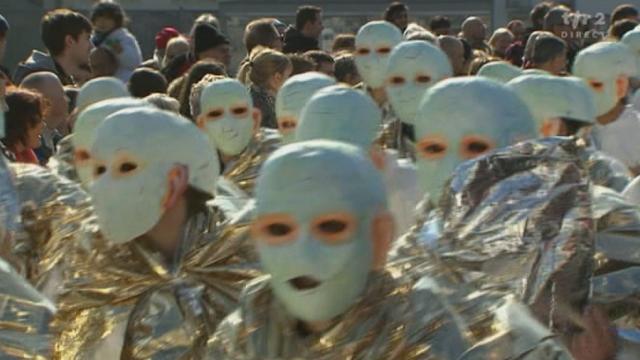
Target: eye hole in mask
(396,80)
(274,229)
(334,228)
(98,170)
(423,79)
(473,146)
(215,114)
(596,85)
(384,50)
(433,148)
(127,167)
(240,111)
(287,125)
(363,52)
(81,156)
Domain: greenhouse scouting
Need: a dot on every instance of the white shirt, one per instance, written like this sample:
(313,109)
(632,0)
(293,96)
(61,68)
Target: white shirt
(620,138)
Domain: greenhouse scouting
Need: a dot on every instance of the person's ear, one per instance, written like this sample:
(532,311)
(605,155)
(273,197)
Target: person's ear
(178,181)
(622,86)
(383,231)
(201,121)
(256,114)
(69,40)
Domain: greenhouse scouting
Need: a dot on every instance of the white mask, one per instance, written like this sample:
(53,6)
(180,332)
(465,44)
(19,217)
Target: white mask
(549,97)
(414,67)
(99,89)
(293,96)
(463,118)
(84,131)
(318,250)
(500,71)
(342,114)
(374,43)
(632,40)
(601,65)
(134,152)
(227,116)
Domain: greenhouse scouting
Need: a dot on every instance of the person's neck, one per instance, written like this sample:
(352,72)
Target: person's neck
(166,235)
(226,159)
(379,95)
(69,67)
(612,115)
(306,33)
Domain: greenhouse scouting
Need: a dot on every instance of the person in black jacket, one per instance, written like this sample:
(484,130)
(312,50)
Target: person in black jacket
(304,36)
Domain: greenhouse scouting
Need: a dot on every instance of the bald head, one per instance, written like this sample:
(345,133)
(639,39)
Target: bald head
(453,47)
(473,29)
(48,84)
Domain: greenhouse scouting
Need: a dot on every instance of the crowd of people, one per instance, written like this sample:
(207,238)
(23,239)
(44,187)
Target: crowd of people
(414,193)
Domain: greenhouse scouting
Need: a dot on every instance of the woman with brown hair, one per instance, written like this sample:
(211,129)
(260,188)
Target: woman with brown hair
(264,73)
(23,124)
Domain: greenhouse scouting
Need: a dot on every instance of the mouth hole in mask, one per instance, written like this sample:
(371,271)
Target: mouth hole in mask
(304,283)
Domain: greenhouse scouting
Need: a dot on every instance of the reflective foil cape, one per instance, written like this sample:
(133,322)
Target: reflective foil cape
(24,318)
(525,219)
(403,314)
(128,294)
(243,171)
(62,163)
(52,209)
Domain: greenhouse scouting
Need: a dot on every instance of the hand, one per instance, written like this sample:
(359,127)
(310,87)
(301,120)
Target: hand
(597,341)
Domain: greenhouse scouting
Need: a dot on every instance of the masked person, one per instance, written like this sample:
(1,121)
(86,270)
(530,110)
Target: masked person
(500,71)
(232,123)
(293,96)
(330,294)
(632,40)
(25,316)
(91,92)
(607,67)
(157,272)
(342,114)
(374,43)
(565,106)
(414,67)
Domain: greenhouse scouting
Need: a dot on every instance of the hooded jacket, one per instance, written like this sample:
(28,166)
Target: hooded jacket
(39,61)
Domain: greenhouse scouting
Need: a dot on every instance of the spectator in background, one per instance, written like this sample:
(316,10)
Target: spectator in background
(109,20)
(325,63)
(344,42)
(66,35)
(4,32)
(417,32)
(262,32)
(56,117)
(468,55)
(147,81)
(478,62)
(397,13)
(207,42)
(500,41)
(305,35)
(301,64)
(558,22)
(624,11)
(440,25)
(346,71)
(453,47)
(474,31)
(264,73)
(177,46)
(207,18)
(195,74)
(103,62)
(163,102)
(550,54)
(621,27)
(162,41)
(528,50)
(518,29)
(23,124)
(536,16)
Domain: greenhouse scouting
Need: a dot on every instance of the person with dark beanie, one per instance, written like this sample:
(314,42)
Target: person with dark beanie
(146,81)
(207,42)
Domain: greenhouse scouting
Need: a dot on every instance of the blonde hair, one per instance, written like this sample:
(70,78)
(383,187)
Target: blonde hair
(196,91)
(263,63)
(163,102)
